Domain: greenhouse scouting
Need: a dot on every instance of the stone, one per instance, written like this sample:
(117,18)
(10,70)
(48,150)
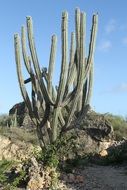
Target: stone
(79,179)
(36,183)
(89,133)
(22,115)
(118,148)
(17,150)
(71,178)
(103,153)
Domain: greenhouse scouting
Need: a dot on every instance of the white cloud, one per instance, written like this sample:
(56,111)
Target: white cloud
(111,26)
(125,41)
(121,88)
(105,45)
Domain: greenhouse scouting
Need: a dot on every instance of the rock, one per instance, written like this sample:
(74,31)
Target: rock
(22,114)
(41,177)
(119,149)
(17,151)
(103,153)
(71,178)
(19,107)
(79,179)
(89,133)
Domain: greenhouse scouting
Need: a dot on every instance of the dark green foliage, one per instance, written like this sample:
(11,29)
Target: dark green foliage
(8,178)
(4,167)
(49,156)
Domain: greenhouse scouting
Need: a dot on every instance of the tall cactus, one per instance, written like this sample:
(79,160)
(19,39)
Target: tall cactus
(47,105)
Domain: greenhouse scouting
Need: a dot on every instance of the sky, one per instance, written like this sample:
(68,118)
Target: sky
(110,62)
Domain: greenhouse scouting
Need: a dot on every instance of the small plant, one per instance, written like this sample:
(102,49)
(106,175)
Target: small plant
(5,166)
(49,155)
(8,178)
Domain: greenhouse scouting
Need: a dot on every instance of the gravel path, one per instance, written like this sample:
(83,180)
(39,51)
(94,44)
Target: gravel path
(105,177)
(98,177)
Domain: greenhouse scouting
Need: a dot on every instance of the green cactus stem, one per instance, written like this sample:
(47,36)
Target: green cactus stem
(52,109)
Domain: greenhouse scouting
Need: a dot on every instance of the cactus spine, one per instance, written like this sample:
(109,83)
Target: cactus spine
(47,105)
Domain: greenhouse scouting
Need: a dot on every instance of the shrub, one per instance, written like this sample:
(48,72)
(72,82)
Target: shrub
(8,178)
(119,124)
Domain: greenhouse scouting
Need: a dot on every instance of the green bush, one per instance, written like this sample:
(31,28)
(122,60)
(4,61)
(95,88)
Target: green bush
(119,124)
(9,179)
(49,156)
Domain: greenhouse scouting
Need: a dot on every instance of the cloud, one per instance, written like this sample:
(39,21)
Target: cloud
(111,26)
(121,88)
(105,45)
(124,41)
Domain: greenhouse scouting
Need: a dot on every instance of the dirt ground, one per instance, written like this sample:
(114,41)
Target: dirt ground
(105,178)
(98,177)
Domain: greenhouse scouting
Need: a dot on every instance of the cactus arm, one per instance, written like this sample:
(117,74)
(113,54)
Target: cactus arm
(20,77)
(44,75)
(69,98)
(61,119)
(34,104)
(37,96)
(35,61)
(81,69)
(51,63)
(89,64)
(72,55)
(71,68)
(27,61)
(92,39)
(63,74)
(36,86)
(46,116)
(77,29)
(84,96)
(72,52)
(90,85)
(70,80)
(25,57)
(32,78)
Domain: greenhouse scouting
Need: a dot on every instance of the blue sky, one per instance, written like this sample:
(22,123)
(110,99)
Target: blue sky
(110,81)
